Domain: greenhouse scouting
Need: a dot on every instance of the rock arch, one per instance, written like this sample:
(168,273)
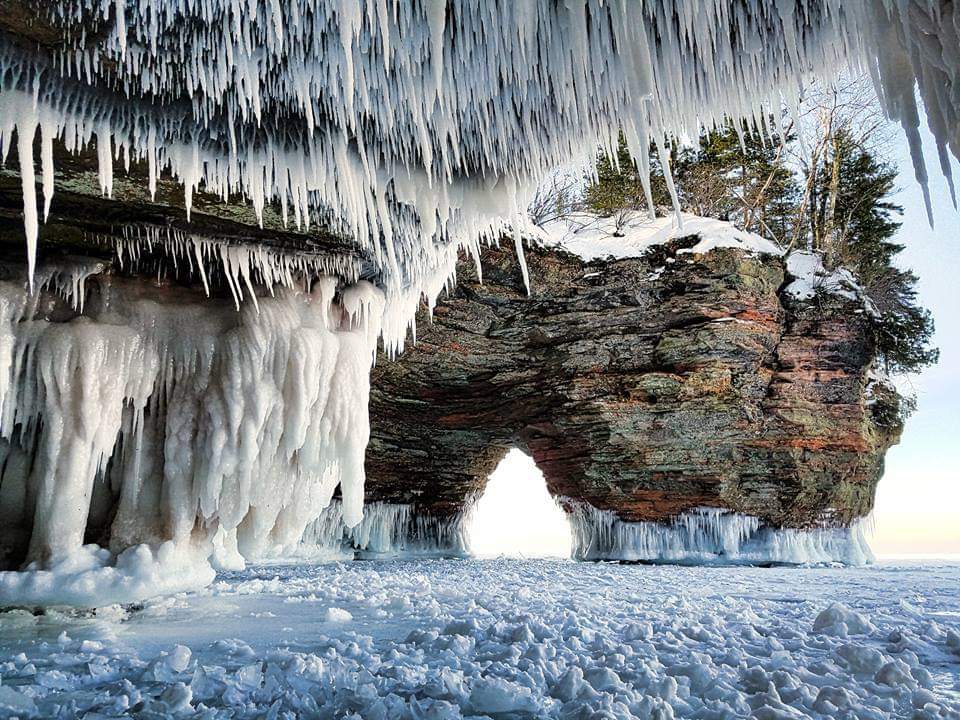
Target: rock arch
(638,394)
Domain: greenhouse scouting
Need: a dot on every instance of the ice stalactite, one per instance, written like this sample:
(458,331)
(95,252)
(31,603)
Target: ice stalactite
(173,418)
(387,530)
(710,535)
(425,124)
(238,265)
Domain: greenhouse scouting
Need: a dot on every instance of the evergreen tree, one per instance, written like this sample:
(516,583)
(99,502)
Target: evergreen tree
(744,182)
(847,214)
(617,188)
(853,222)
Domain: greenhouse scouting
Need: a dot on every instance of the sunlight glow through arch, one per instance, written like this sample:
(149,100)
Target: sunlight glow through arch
(517,516)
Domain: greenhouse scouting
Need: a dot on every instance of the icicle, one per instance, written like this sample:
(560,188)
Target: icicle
(105,160)
(521,258)
(410,160)
(121,26)
(710,535)
(26,130)
(47,134)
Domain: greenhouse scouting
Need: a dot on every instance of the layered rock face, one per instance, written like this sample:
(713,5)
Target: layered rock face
(648,387)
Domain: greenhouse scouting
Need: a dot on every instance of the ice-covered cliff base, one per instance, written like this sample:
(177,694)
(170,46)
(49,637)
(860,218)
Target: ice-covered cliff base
(387,530)
(712,536)
(151,415)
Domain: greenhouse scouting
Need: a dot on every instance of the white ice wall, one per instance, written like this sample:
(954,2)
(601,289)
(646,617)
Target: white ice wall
(387,530)
(185,418)
(710,535)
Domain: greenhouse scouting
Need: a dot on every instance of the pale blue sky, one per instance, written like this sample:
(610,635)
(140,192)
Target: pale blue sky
(918,501)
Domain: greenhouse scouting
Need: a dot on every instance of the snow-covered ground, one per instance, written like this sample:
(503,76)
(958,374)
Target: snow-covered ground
(503,638)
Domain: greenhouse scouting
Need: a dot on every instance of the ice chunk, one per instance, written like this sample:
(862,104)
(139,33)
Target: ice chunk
(338,615)
(497,695)
(838,619)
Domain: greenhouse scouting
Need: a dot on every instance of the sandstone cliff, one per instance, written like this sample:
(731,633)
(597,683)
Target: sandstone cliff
(646,386)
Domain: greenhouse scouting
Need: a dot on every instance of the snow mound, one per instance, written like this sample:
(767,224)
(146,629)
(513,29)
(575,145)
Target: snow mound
(91,576)
(810,277)
(838,619)
(338,615)
(631,235)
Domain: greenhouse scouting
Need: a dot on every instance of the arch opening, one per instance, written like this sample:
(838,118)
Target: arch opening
(516,516)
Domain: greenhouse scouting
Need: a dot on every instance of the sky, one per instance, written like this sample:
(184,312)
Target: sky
(918,500)
(917,510)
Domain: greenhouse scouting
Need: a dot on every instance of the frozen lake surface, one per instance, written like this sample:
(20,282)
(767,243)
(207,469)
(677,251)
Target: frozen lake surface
(502,639)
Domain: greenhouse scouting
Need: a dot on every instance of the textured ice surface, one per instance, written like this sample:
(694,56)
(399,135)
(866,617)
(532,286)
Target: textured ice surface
(445,639)
(175,418)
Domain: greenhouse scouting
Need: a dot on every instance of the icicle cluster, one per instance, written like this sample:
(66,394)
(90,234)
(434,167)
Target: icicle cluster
(424,123)
(387,529)
(241,265)
(710,535)
(148,420)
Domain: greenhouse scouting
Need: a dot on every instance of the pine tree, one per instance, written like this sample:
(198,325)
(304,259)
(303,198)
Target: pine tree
(847,215)
(853,222)
(617,188)
(739,177)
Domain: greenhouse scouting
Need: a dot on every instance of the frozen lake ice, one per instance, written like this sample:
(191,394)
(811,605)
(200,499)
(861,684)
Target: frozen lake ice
(501,639)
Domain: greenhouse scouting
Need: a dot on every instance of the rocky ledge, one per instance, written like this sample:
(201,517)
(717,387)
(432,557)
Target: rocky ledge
(687,392)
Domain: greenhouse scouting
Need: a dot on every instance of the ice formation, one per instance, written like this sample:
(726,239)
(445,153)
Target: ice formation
(711,535)
(418,129)
(387,530)
(503,639)
(241,266)
(425,124)
(173,418)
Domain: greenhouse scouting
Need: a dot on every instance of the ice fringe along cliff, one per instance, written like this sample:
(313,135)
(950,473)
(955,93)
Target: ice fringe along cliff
(321,113)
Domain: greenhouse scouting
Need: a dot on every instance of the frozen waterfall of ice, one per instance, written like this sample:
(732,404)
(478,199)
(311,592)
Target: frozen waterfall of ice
(711,535)
(387,530)
(173,423)
(424,124)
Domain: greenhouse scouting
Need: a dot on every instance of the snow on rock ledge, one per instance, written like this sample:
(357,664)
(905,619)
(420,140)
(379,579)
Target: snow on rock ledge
(632,234)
